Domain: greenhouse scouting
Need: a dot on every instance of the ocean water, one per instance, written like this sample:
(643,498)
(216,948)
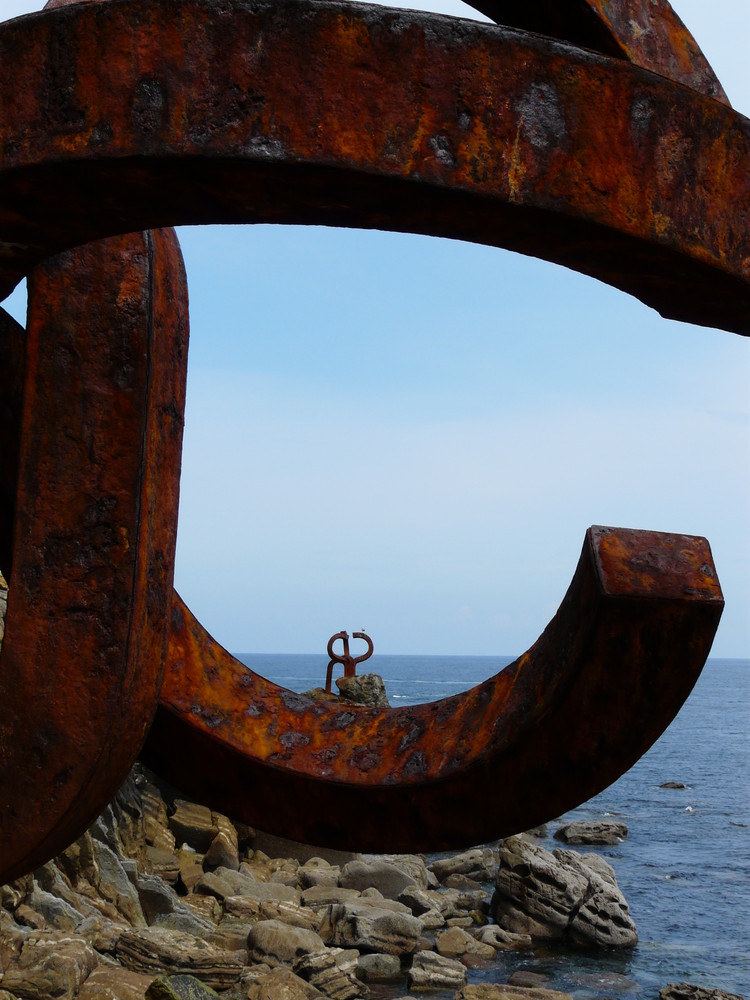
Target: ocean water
(685,865)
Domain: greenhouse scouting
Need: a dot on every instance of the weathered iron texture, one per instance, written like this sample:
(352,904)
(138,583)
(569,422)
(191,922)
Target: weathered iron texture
(348,661)
(561,723)
(348,115)
(93,539)
(607,146)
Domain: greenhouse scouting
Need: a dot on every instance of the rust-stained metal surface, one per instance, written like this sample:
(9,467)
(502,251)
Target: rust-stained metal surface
(93,543)
(345,658)
(603,143)
(420,123)
(559,724)
(646,33)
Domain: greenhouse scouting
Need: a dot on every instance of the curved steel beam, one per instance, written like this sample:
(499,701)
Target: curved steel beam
(93,538)
(421,124)
(558,725)
(646,33)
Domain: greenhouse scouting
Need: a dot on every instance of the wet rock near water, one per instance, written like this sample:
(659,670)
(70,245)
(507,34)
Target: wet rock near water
(560,896)
(687,991)
(602,832)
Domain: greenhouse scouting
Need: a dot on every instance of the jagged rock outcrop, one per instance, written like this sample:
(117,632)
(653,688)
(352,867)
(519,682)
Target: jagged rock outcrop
(560,895)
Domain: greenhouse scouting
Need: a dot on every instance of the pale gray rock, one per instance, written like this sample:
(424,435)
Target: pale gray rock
(479,864)
(111,881)
(275,943)
(600,832)
(387,878)
(186,920)
(333,972)
(54,911)
(370,928)
(363,689)
(463,883)
(502,940)
(430,972)
(158,951)
(50,964)
(425,904)
(560,895)
(155,896)
(309,876)
(456,942)
(374,968)
(412,865)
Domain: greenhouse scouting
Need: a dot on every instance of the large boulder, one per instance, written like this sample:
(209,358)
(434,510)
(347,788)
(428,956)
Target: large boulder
(563,895)
(688,991)
(370,928)
(275,943)
(157,950)
(387,878)
(49,965)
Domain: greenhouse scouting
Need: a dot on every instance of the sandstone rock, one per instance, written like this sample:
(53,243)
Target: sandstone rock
(479,864)
(333,972)
(179,988)
(425,904)
(498,991)
(155,817)
(113,983)
(158,950)
(687,991)
(456,942)
(279,984)
(601,832)
(502,940)
(370,928)
(320,897)
(560,895)
(374,968)
(192,824)
(49,965)
(377,874)
(363,689)
(162,862)
(275,943)
(223,850)
(435,972)
(603,919)
(463,883)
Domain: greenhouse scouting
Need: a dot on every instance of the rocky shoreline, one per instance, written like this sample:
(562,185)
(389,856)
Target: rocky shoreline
(164,898)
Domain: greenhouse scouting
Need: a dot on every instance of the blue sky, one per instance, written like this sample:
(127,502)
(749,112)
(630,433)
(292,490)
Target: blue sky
(412,435)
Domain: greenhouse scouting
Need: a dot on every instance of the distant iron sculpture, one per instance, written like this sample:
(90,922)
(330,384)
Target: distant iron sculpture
(345,658)
(592,133)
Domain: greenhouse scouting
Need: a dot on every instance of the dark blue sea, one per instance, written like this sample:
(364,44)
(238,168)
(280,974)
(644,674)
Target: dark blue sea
(685,865)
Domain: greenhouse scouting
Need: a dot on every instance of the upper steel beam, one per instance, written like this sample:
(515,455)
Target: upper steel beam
(134,114)
(646,33)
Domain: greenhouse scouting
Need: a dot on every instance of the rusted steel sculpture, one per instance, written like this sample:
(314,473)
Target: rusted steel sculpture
(348,661)
(616,155)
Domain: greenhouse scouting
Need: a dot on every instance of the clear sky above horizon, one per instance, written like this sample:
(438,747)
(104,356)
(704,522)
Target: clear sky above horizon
(411,435)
